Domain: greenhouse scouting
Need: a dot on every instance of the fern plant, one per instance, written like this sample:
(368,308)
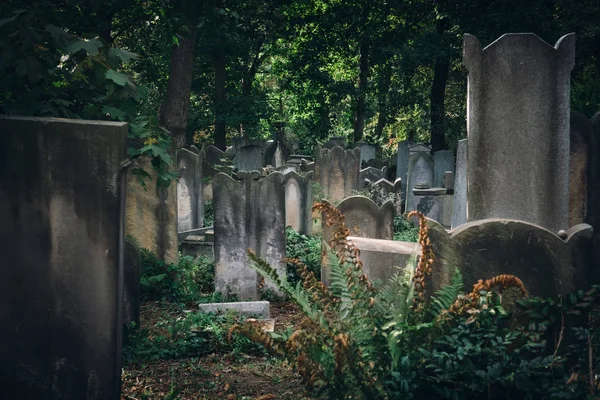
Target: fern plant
(354,338)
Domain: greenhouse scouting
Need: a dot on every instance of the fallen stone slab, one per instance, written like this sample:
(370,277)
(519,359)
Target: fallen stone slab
(260,309)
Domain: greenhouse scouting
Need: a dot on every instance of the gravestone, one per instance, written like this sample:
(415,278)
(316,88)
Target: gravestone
(249,214)
(338,172)
(418,147)
(420,170)
(547,264)
(151,215)
(278,153)
(443,160)
(368,151)
(519,154)
(62,197)
(365,219)
(298,202)
(214,156)
(372,175)
(384,190)
(190,197)
(132,273)
(448,182)
(459,215)
(250,158)
(402,166)
(580,138)
(429,202)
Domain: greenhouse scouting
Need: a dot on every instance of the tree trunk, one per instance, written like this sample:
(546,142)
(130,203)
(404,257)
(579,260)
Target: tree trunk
(384,87)
(248,79)
(363,76)
(219,61)
(175,108)
(437,96)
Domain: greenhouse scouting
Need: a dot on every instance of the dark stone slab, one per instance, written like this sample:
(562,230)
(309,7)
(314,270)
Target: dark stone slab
(62,245)
(131,278)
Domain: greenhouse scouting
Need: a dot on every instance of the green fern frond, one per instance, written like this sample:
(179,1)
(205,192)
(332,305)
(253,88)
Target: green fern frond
(446,295)
(131,239)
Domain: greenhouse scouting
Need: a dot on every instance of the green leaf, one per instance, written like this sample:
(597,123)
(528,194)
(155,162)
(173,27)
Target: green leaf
(115,113)
(123,55)
(91,46)
(117,77)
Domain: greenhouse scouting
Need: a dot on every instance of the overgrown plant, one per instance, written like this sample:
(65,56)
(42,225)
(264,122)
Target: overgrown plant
(360,340)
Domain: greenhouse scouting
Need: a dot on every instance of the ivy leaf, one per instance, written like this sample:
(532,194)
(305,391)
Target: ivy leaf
(117,77)
(123,55)
(91,46)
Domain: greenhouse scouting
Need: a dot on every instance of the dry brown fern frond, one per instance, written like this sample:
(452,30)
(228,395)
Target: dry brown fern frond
(317,289)
(425,265)
(255,334)
(497,283)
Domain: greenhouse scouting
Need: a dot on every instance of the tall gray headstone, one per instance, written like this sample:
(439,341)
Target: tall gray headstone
(62,204)
(190,200)
(518,128)
(459,215)
(368,151)
(402,165)
(443,160)
(298,202)
(338,172)
(250,158)
(420,170)
(249,214)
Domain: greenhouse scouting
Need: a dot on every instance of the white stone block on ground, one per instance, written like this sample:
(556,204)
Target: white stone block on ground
(261,309)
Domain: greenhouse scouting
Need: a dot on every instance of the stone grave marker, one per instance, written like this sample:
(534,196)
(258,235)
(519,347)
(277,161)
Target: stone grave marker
(298,202)
(338,172)
(249,214)
(372,175)
(459,215)
(62,205)
(429,201)
(580,138)
(131,283)
(384,190)
(368,151)
(529,145)
(420,170)
(335,141)
(190,198)
(443,160)
(250,158)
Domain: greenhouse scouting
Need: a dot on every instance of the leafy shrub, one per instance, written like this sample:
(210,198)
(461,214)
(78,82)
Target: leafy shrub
(405,230)
(182,282)
(306,249)
(359,340)
(209,213)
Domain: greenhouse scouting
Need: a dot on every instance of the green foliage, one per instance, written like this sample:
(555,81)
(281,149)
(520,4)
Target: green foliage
(209,213)
(191,335)
(307,249)
(189,281)
(404,230)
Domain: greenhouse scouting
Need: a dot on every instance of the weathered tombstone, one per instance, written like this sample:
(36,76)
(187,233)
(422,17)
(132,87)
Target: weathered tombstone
(581,134)
(519,154)
(62,196)
(459,215)
(338,172)
(249,214)
(384,190)
(250,158)
(151,214)
(368,151)
(448,181)
(190,198)
(372,175)
(214,156)
(402,165)
(429,201)
(420,170)
(298,202)
(418,147)
(132,273)
(443,160)
(278,153)
(365,219)
(335,141)
(547,264)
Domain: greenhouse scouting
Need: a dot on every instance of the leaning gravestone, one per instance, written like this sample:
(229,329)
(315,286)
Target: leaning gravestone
(443,161)
(365,219)
(420,170)
(459,214)
(62,199)
(298,202)
(249,214)
(519,154)
(582,130)
(547,264)
(337,171)
(190,200)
